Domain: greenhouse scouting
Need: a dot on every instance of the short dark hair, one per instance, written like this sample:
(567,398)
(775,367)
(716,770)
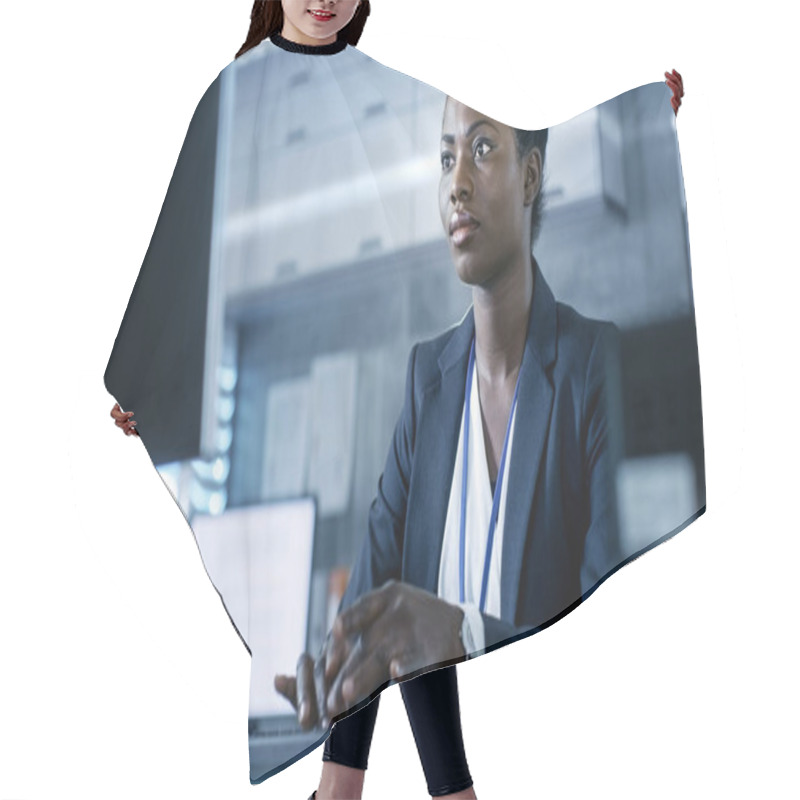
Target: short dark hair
(526,142)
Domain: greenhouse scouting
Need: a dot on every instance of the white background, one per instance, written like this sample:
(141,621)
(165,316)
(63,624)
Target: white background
(120,674)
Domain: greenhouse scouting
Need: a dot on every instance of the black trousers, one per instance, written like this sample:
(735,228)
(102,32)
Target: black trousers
(433,711)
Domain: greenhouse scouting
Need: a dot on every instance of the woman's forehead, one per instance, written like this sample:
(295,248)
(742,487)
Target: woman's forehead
(460,119)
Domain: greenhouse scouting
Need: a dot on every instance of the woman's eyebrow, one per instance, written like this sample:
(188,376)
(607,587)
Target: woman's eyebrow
(448,138)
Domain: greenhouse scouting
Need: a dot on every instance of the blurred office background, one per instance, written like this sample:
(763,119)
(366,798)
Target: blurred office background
(328,261)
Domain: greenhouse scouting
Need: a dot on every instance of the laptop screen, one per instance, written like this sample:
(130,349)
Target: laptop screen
(259,559)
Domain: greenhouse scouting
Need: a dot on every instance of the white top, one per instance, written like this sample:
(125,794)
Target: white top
(479,511)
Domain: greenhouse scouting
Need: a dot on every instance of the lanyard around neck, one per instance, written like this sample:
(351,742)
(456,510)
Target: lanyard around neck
(497,489)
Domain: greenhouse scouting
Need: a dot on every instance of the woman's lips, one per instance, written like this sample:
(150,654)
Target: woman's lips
(463,233)
(462,226)
(322,16)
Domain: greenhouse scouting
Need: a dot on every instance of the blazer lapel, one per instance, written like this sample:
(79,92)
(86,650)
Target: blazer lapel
(531,427)
(436,444)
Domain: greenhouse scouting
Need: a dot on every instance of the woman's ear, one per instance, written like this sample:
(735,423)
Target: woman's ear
(533,175)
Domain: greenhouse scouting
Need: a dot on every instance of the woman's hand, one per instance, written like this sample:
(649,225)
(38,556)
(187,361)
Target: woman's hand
(307,690)
(387,633)
(122,419)
(675,83)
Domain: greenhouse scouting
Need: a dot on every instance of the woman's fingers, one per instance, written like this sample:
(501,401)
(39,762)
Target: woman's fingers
(675,82)
(368,677)
(307,714)
(129,428)
(368,608)
(123,420)
(360,614)
(287,686)
(348,626)
(319,691)
(336,652)
(299,691)
(365,671)
(401,665)
(677,93)
(334,703)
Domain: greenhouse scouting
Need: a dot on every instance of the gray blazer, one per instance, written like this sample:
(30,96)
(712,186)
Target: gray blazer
(560,537)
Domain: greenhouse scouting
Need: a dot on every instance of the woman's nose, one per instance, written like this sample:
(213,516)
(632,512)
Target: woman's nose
(460,184)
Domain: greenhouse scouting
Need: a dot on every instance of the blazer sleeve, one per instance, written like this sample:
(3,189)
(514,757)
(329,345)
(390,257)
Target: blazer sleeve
(601,552)
(381,555)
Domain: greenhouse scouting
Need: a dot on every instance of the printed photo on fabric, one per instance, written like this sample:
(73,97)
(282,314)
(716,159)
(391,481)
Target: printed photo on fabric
(305,350)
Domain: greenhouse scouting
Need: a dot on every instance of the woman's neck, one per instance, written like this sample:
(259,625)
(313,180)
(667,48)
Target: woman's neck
(501,314)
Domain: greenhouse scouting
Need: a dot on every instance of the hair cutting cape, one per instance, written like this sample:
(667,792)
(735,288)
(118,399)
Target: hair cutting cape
(296,352)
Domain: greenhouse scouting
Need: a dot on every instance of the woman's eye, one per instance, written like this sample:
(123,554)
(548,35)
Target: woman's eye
(482,148)
(447,161)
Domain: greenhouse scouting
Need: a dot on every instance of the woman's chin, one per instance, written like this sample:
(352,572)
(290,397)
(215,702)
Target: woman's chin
(470,270)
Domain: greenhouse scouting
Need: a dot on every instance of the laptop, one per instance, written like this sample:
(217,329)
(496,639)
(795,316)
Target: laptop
(259,558)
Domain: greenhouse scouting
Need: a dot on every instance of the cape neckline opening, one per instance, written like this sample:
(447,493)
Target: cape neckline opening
(308,49)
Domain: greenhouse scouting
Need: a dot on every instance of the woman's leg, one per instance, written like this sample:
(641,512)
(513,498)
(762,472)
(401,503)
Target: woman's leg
(346,753)
(433,710)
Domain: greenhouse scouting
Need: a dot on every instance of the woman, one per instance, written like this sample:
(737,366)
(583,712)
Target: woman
(498,349)
(401,614)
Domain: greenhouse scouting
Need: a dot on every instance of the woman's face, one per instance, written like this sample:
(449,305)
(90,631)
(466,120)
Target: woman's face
(316,21)
(485,193)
